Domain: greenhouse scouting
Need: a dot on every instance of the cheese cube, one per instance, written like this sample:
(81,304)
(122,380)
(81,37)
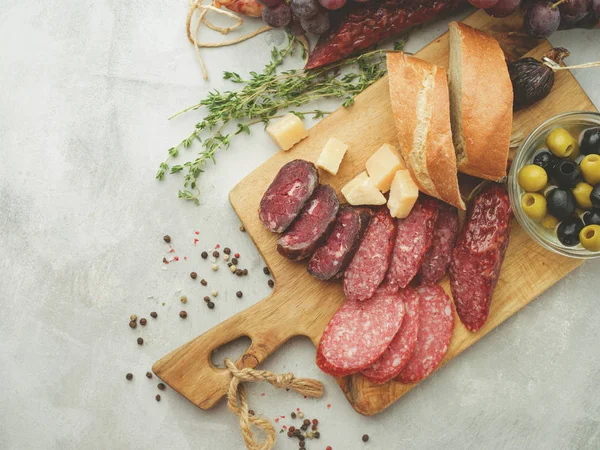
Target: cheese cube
(331,156)
(403,195)
(362,191)
(383,165)
(287,131)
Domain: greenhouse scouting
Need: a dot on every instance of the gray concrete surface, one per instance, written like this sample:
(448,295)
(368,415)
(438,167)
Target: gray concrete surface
(85,90)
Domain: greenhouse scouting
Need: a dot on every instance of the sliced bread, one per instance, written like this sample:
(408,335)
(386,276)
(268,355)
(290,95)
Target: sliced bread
(481,99)
(421,107)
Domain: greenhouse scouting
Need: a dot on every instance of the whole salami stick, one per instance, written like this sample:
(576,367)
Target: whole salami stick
(368,23)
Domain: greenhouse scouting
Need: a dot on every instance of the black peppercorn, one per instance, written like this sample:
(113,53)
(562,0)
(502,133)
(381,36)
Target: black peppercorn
(203,282)
(304,427)
(234,261)
(317,435)
(153,314)
(204,255)
(266,271)
(129,376)
(215,254)
(238,272)
(271,283)
(210,305)
(157,397)
(293,415)
(140,341)
(239,294)
(167,238)
(143,322)
(194,275)
(245,272)
(306,422)
(365,437)
(148,375)
(133,324)
(227,250)
(251,412)
(206,298)
(290,434)
(183,314)
(161,386)
(301,444)
(301,437)
(242,229)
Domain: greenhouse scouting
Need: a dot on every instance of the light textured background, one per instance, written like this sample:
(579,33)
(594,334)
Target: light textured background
(85,90)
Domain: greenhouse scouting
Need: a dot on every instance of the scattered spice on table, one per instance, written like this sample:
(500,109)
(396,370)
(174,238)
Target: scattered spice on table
(165,261)
(161,386)
(193,275)
(328,405)
(215,254)
(203,282)
(133,324)
(206,298)
(239,294)
(365,437)
(232,268)
(237,255)
(214,293)
(293,415)
(140,341)
(157,397)
(183,314)
(300,414)
(143,322)
(225,257)
(133,317)
(251,412)
(306,422)
(149,375)
(239,272)
(329,447)
(317,435)
(266,271)
(167,238)
(210,305)
(183,299)
(129,376)
(271,283)
(215,267)
(227,250)
(153,314)
(234,261)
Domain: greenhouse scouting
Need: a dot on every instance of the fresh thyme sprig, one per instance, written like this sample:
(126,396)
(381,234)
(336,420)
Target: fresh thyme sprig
(261,98)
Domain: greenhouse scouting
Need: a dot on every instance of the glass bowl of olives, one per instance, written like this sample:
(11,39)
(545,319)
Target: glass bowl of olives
(554,184)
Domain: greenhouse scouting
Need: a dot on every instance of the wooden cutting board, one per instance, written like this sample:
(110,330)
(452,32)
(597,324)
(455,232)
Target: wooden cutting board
(303,305)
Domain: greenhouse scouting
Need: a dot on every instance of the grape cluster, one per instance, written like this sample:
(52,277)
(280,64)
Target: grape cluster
(542,18)
(299,16)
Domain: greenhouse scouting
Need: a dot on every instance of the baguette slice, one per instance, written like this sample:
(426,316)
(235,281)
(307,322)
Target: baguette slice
(421,106)
(481,97)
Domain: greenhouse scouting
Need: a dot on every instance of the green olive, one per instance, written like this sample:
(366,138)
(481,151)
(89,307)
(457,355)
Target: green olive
(590,168)
(561,143)
(550,222)
(534,205)
(590,238)
(582,192)
(532,178)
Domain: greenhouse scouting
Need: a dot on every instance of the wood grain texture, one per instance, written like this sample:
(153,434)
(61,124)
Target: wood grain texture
(303,305)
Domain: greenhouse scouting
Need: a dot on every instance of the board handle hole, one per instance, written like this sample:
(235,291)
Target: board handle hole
(232,350)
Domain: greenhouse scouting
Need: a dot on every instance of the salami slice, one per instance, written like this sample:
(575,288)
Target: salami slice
(478,255)
(333,257)
(437,259)
(436,325)
(402,346)
(413,239)
(358,333)
(312,226)
(290,190)
(370,263)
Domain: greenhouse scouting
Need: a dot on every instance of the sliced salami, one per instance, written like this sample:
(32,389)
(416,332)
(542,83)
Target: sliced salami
(358,333)
(413,239)
(478,255)
(288,193)
(437,259)
(370,262)
(333,257)
(312,226)
(436,325)
(402,347)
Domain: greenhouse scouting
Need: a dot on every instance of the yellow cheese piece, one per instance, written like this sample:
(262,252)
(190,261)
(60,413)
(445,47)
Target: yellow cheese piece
(287,131)
(403,195)
(331,156)
(383,165)
(362,191)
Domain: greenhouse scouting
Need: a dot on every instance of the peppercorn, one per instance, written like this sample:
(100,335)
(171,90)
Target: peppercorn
(165,261)
(227,250)
(232,268)
(242,229)
(143,322)
(153,314)
(183,299)
(365,437)
(301,437)
(271,283)
(214,293)
(203,282)
(317,435)
(133,317)
(238,272)
(183,314)
(214,267)
(245,272)
(290,434)
(301,444)
(140,341)
(315,421)
(251,412)
(297,433)
(293,415)
(157,397)
(204,255)
(210,305)
(314,427)
(239,294)
(161,386)
(301,414)
(148,375)
(266,271)
(304,427)
(234,261)
(206,298)
(225,257)
(129,376)
(306,422)
(293,428)
(215,254)
(167,238)
(133,324)
(194,275)
(328,447)
(237,255)
(229,264)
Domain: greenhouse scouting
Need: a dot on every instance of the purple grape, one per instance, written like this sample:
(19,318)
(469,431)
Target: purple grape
(596,8)
(503,8)
(483,4)
(305,9)
(541,20)
(277,17)
(567,21)
(332,4)
(316,25)
(270,3)
(295,27)
(575,8)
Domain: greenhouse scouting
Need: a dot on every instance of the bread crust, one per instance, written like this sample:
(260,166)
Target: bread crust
(421,107)
(487,103)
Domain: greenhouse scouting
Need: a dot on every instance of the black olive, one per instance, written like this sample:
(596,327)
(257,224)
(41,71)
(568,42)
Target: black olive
(590,142)
(595,197)
(567,174)
(568,231)
(546,160)
(561,203)
(591,217)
